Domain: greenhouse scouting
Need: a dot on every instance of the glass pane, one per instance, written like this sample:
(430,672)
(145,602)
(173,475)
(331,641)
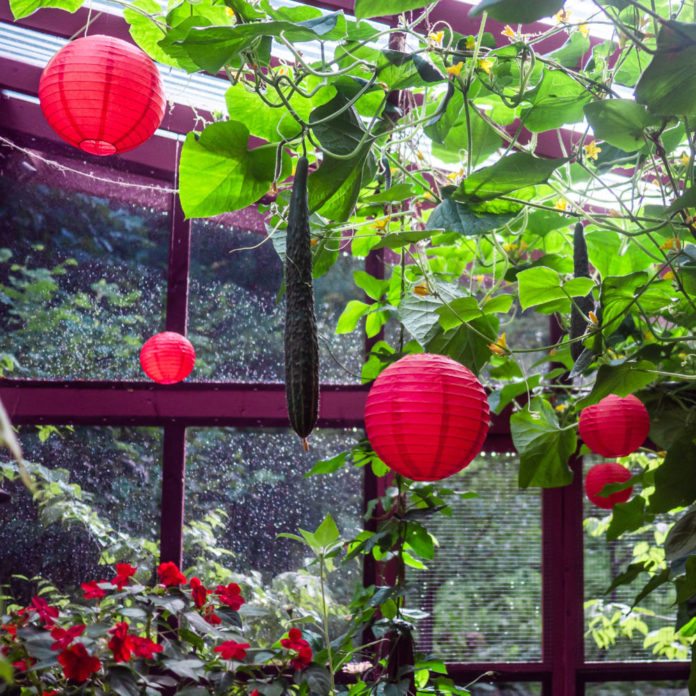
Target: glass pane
(82,276)
(256,479)
(633,688)
(615,631)
(236,324)
(506,689)
(483,590)
(115,506)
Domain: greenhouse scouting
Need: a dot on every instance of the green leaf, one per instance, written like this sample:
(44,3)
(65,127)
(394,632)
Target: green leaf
(452,216)
(517,11)
(458,311)
(500,398)
(365,9)
(686,584)
(621,380)
(146,33)
(578,287)
(468,343)
(681,540)
(626,517)
(508,174)
(544,448)
(655,581)
(674,484)
(572,50)
(328,466)
(23,8)
(395,194)
(6,671)
(621,122)
(397,240)
(263,121)
(611,257)
(420,540)
(351,315)
(122,681)
(558,100)
(627,577)
(538,285)
(234,175)
(373,287)
(327,532)
(668,84)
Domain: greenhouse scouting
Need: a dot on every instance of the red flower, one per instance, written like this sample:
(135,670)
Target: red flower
(121,645)
(255,692)
(92,589)
(303,659)
(77,663)
(170,575)
(45,612)
(198,592)
(232,651)
(144,647)
(10,628)
(230,596)
(65,637)
(210,616)
(124,571)
(296,642)
(24,665)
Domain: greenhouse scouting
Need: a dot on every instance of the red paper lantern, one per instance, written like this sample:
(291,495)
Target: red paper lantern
(426,416)
(615,426)
(167,357)
(603,474)
(102,95)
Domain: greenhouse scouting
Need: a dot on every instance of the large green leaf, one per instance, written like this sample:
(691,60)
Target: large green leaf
(262,120)
(621,122)
(558,100)
(621,380)
(668,85)
(468,343)
(214,46)
(364,9)
(539,285)
(675,484)
(572,50)
(452,216)
(681,540)
(517,11)
(508,174)
(234,175)
(23,8)
(544,448)
(611,257)
(626,517)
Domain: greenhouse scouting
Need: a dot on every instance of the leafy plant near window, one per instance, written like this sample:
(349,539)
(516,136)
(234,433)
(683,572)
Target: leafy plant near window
(428,144)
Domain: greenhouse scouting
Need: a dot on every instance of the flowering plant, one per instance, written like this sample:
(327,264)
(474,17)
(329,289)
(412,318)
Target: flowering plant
(129,638)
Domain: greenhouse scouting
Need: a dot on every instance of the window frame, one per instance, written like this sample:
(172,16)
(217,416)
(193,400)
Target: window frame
(562,671)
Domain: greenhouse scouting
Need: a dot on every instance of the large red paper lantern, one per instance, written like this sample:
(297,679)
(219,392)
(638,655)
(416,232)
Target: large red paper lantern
(426,416)
(167,357)
(603,474)
(102,94)
(616,426)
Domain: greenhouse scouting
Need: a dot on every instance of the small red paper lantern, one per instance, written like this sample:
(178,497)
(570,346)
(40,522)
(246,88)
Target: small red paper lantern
(102,94)
(426,416)
(167,357)
(603,474)
(615,426)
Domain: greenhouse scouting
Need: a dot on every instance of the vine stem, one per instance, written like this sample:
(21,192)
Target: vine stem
(325,620)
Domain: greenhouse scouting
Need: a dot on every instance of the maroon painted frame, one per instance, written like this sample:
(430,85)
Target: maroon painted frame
(562,670)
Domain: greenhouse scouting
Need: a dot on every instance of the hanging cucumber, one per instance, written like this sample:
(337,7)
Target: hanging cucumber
(581,267)
(301,346)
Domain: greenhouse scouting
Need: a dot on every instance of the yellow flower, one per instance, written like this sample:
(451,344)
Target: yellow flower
(669,275)
(561,407)
(671,244)
(662,453)
(561,204)
(485,65)
(428,196)
(614,214)
(683,356)
(480,278)
(584,29)
(591,150)
(552,351)
(314,242)
(230,12)
(456,176)
(420,156)
(508,31)
(647,335)
(283,70)
(684,159)
(436,37)
(593,318)
(455,69)
(562,16)
(500,346)
(470,44)
(421,289)
(382,223)
(509,247)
